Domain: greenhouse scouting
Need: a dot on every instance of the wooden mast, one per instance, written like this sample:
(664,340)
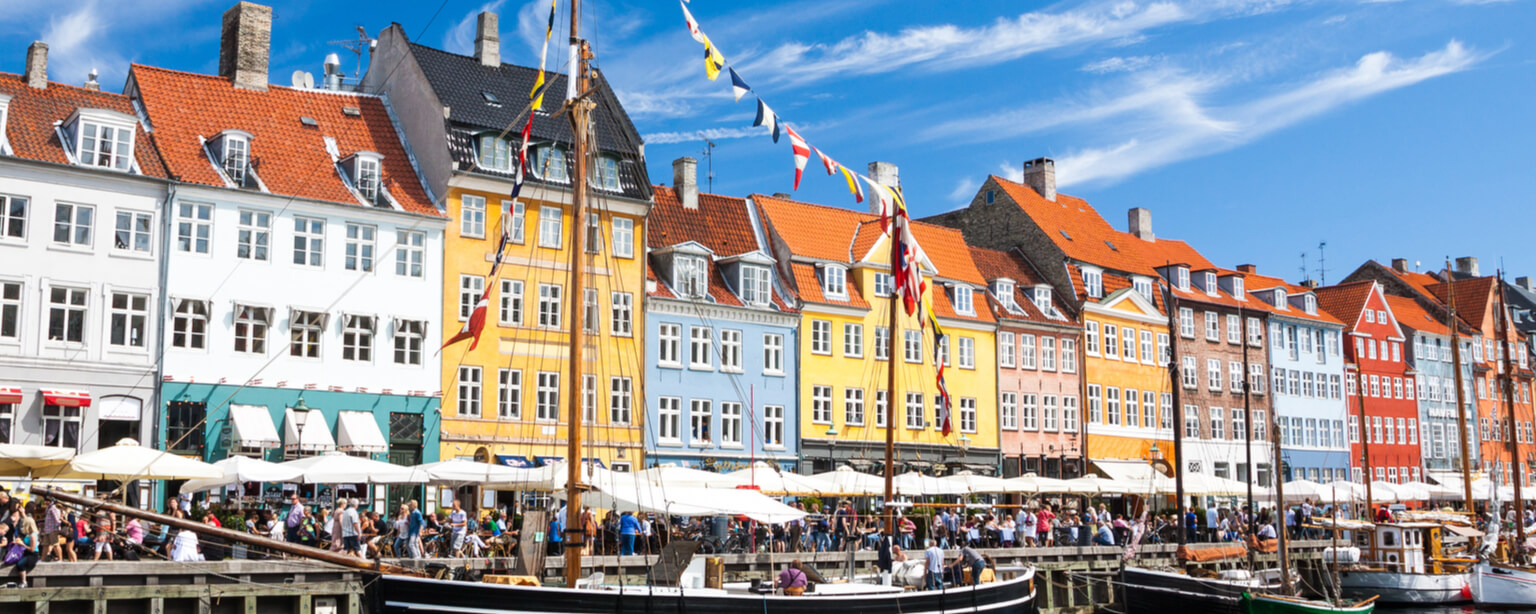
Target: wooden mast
(1253,512)
(1461,408)
(1171,303)
(1365,436)
(890,387)
(1508,385)
(578,107)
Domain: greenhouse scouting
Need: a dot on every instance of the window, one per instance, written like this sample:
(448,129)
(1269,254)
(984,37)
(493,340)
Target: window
(1413,430)
(773,354)
(730,424)
(730,351)
(1111,342)
(1402,436)
(1213,374)
(1239,424)
(1186,323)
(308,241)
(237,154)
(511,303)
(773,426)
(1234,329)
(914,410)
(853,406)
(853,340)
(495,153)
(254,236)
(1027,351)
(881,411)
(1148,408)
(1370,316)
(368,181)
(469,392)
(700,338)
(941,351)
(1192,421)
(1048,352)
(509,394)
(833,281)
(359,248)
(1256,378)
(357,338)
(7,421)
(472,216)
(409,336)
(588,399)
(620,400)
(66,314)
(1293,381)
(1164,350)
(605,173)
(669,339)
(1255,332)
(251,325)
(621,311)
(547,397)
(913,346)
(594,234)
(1005,349)
(884,284)
(1048,412)
(1218,424)
(882,343)
(1093,283)
(1129,335)
(1376,428)
(755,285)
(1008,411)
(967,415)
(72,224)
(550,305)
(305,328)
(471,287)
(669,419)
(963,303)
(13,217)
(130,317)
(1069,356)
(61,426)
(189,325)
(1142,286)
(106,146)
(968,353)
(1212,326)
(1068,414)
(1260,427)
(623,237)
(1095,404)
(551,227)
(1235,377)
(515,217)
(1132,408)
(1112,404)
(134,230)
(1189,374)
(821,404)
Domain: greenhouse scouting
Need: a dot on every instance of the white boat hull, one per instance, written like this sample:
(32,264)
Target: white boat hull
(1503,586)
(1396,587)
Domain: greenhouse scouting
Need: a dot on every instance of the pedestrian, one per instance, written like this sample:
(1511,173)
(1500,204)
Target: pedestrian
(629,531)
(414,523)
(458,524)
(351,530)
(293,518)
(934,558)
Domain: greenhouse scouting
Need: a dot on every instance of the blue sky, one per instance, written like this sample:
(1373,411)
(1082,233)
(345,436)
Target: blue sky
(1253,128)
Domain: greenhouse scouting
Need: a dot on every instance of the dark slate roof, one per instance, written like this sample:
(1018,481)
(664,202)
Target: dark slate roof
(461,83)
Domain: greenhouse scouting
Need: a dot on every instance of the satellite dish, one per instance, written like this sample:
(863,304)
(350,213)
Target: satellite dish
(297,80)
(309,81)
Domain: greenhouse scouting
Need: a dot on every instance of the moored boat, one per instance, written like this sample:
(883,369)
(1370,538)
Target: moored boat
(1503,585)
(1278,604)
(1156,591)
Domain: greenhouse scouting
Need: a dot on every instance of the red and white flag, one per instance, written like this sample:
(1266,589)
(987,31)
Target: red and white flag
(802,153)
(475,325)
(826,161)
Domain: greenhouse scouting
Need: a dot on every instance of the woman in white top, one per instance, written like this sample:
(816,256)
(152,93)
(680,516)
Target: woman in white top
(1027,527)
(184,549)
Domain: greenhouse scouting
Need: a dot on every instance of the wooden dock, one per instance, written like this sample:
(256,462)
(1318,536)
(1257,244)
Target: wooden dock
(163,587)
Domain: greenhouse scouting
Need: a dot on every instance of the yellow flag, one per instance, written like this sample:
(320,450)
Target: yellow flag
(713,60)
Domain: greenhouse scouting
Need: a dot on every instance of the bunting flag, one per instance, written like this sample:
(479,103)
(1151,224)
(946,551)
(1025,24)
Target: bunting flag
(826,161)
(522,159)
(883,195)
(907,271)
(942,410)
(538,85)
(693,24)
(802,153)
(713,60)
(766,117)
(853,184)
(738,86)
(474,326)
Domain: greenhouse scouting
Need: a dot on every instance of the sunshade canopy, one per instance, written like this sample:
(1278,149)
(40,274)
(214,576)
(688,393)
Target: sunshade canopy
(129,461)
(242,469)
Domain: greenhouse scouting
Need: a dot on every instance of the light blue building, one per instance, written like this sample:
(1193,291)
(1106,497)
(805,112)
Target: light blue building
(1307,382)
(721,369)
(1435,385)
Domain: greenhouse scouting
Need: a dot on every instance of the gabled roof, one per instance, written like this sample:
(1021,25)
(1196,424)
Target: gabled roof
(1078,230)
(29,125)
(290,157)
(809,287)
(1472,298)
(1411,315)
(1345,301)
(720,224)
(1255,283)
(832,233)
(1112,283)
(995,264)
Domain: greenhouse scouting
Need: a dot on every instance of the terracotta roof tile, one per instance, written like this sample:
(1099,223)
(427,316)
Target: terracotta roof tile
(289,157)
(720,223)
(1472,298)
(1410,314)
(810,288)
(33,112)
(1345,301)
(831,233)
(1078,230)
(994,264)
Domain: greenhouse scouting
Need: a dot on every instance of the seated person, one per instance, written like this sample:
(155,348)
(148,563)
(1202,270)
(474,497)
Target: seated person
(792,580)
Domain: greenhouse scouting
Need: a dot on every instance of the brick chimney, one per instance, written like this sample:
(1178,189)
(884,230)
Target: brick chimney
(1467,265)
(487,40)
(886,174)
(1400,265)
(1140,220)
(1248,268)
(245,45)
(37,65)
(1040,174)
(685,179)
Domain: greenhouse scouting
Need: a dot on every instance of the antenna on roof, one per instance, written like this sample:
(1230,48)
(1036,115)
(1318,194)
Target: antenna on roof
(1304,272)
(356,46)
(1322,260)
(709,159)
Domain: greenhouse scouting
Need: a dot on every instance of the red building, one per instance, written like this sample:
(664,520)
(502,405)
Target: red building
(1378,378)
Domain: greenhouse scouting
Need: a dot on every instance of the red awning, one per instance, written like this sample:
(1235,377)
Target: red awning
(9,394)
(67,398)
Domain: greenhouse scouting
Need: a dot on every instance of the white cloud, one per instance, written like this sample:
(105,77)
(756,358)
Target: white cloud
(75,48)
(1336,19)
(460,38)
(1118,64)
(965,189)
(713,134)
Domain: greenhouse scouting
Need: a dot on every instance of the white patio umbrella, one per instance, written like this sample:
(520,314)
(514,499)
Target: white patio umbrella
(553,477)
(1300,490)
(642,496)
(684,477)
(129,461)
(1199,483)
(846,481)
(1095,485)
(17,460)
(460,472)
(1383,491)
(914,484)
(977,484)
(769,480)
(1416,491)
(242,469)
(1343,491)
(339,468)
(1033,484)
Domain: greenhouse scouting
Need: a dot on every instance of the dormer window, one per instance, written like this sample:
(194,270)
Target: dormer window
(1043,299)
(834,281)
(962,300)
(688,275)
(1281,302)
(549,162)
(1237,288)
(1210,283)
(1142,286)
(367,174)
(605,173)
(103,138)
(1093,283)
(1309,303)
(755,284)
(237,157)
(1003,290)
(1182,278)
(495,153)
(5,103)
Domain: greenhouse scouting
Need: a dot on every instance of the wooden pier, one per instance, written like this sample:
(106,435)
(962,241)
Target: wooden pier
(163,587)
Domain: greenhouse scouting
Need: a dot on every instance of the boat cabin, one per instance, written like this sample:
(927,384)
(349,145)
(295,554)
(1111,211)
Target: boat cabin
(1413,547)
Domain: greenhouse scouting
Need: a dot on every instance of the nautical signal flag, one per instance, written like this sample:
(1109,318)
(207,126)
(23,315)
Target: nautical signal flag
(474,326)
(693,24)
(826,161)
(713,60)
(738,86)
(766,117)
(538,85)
(802,153)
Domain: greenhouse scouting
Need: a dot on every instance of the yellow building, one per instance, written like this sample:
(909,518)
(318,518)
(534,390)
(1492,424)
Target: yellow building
(1129,396)
(836,263)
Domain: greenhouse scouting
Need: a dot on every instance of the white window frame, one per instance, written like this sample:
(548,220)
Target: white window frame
(821,404)
(773,354)
(309,241)
(139,233)
(469,390)
(357,337)
(967,351)
(551,306)
(472,216)
(669,418)
(131,317)
(622,314)
(509,394)
(253,235)
(701,340)
(834,281)
(471,287)
(410,336)
(510,303)
(730,351)
(78,229)
(621,396)
(623,237)
(669,345)
(359,246)
(547,397)
(551,227)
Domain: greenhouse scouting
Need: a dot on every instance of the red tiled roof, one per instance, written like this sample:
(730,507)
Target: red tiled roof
(830,233)
(1472,298)
(810,288)
(1345,301)
(290,157)
(994,264)
(1410,314)
(30,122)
(1078,230)
(1112,283)
(1254,282)
(720,223)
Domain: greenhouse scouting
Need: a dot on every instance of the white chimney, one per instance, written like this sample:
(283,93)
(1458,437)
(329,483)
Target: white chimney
(37,65)
(685,179)
(487,40)
(1467,265)
(885,174)
(1040,174)
(245,45)
(1141,223)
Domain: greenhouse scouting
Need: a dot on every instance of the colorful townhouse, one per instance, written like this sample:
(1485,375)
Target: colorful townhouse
(721,366)
(1306,380)
(507,399)
(81,197)
(1103,277)
(1383,415)
(834,263)
(302,265)
(1223,360)
(1035,436)
(1435,385)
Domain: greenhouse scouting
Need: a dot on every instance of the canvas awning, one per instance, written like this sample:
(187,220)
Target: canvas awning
(359,431)
(67,398)
(306,431)
(1138,476)
(1462,531)
(251,427)
(641,496)
(10,394)
(338,468)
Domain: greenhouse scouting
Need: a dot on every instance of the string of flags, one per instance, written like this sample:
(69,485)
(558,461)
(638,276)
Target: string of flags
(894,220)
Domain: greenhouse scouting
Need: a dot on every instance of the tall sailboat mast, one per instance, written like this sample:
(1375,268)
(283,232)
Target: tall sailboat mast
(1248,439)
(1461,407)
(1171,303)
(890,387)
(577,107)
(1365,434)
(1508,385)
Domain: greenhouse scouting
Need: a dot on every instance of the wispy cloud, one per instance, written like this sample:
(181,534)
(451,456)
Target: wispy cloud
(965,189)
(75,47)
(713,134)
(460,38)
(1118,64)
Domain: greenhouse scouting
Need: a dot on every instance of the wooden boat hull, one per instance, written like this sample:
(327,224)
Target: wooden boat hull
(1157,592)
(1503,585)
(410,595)
(1267,604)
(1406,588)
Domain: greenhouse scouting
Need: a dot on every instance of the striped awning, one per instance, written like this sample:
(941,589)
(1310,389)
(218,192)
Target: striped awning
(10,394)
(67,398)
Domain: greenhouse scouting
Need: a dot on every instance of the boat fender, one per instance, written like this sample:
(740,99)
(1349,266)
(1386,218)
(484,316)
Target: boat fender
(1466,591)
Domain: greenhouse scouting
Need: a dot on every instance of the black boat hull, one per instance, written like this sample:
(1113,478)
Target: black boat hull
(1149,592)
(407,595)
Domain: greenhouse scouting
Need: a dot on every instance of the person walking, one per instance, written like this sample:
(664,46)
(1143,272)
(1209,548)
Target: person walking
(629,530)
(293,519)
(458,525)
(351,530)
(934,574)
(413,525)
